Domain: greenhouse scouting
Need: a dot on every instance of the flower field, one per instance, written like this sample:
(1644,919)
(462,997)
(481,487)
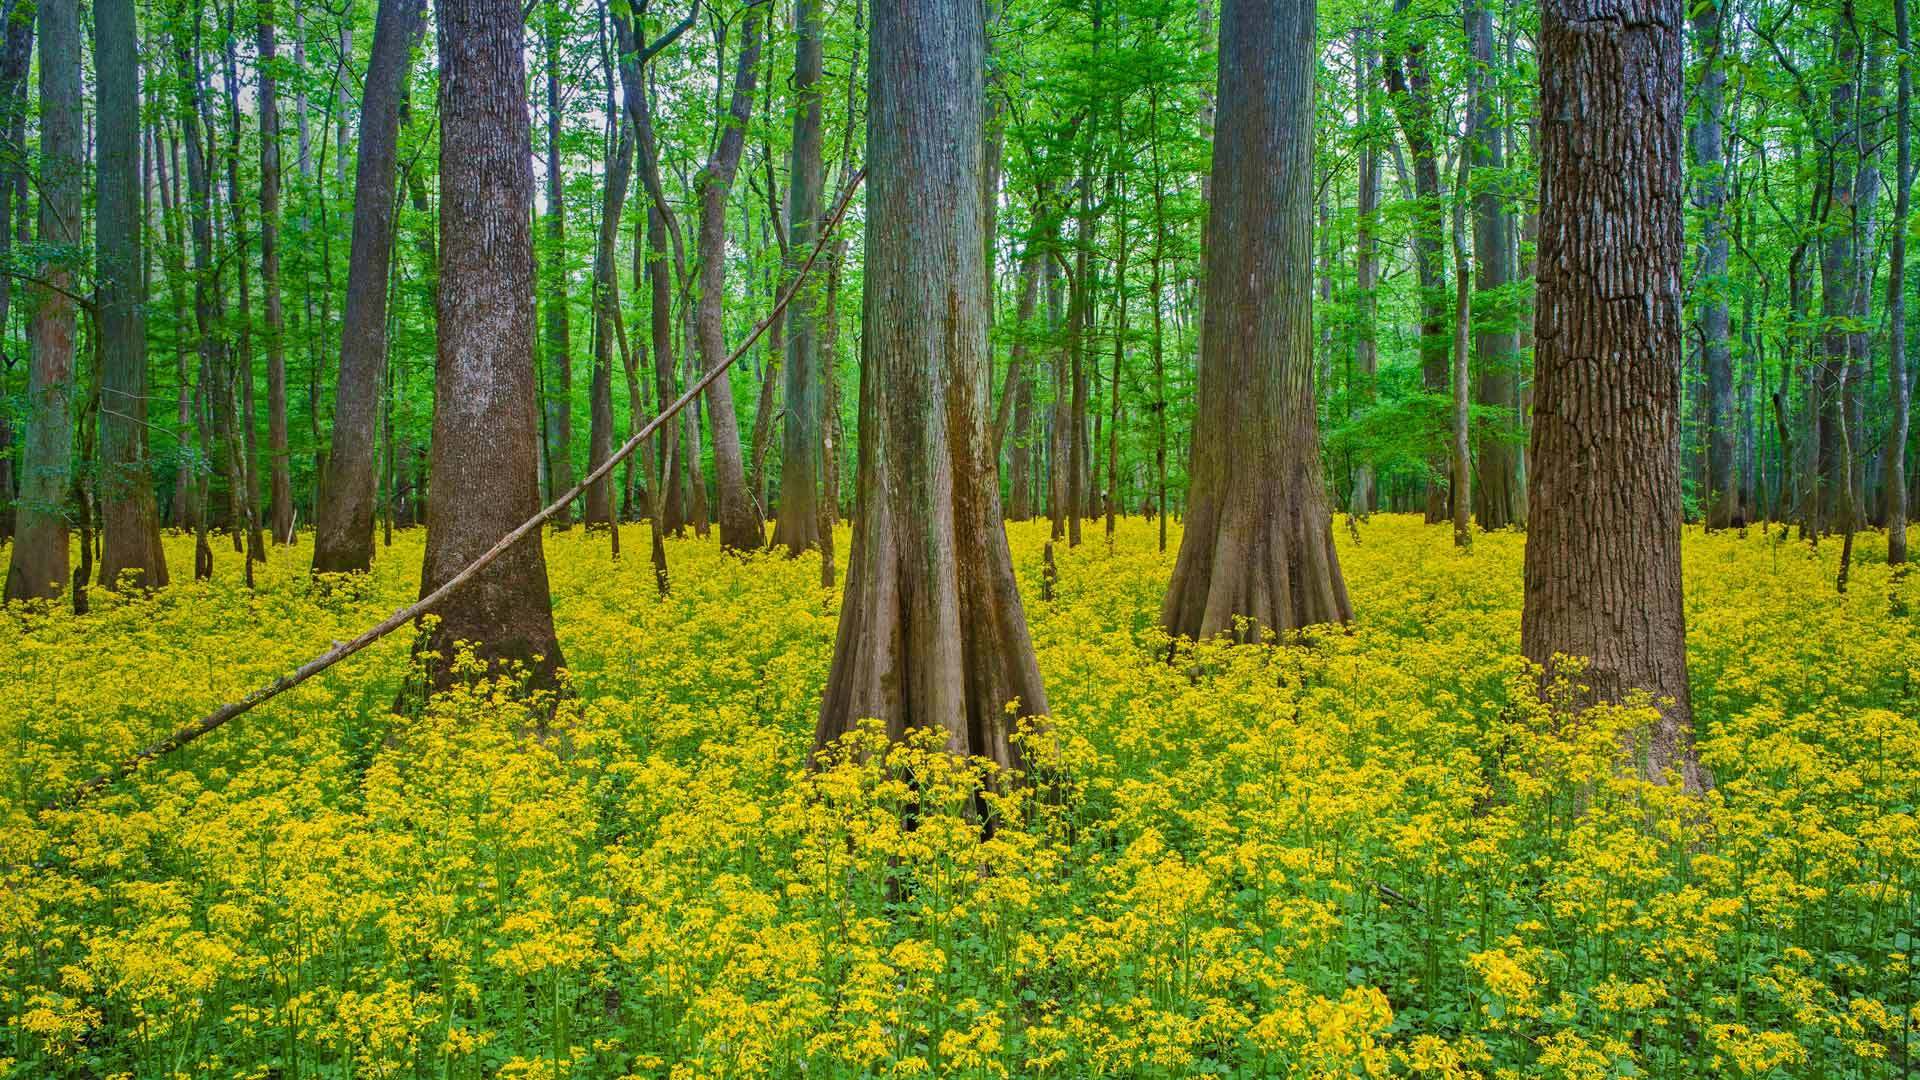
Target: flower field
(1377,855)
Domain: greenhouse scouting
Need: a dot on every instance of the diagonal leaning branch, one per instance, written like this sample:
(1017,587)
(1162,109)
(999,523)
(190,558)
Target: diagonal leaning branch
(342,650)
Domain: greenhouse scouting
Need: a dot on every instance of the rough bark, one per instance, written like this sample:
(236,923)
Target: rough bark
(1602,564)
(130,521)
(741,527)
(485,456)
(798,527)
(343,526)
(932,632)
(1259,539)
(38,569)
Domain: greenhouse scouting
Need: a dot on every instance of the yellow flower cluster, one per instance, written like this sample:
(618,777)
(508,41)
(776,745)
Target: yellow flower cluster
(1376,855)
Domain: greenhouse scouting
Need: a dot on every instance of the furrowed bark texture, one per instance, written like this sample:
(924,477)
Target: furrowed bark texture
(485,422)
(130,520)
(1259,537)
(932,632)
(1603,545)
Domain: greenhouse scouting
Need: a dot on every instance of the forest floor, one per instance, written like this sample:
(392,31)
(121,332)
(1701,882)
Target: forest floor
(1377,854)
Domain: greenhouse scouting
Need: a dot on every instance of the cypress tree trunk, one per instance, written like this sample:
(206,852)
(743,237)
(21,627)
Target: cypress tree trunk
(485,423)
(130,520)
(280,500)
(343,526)
(1366,354)
(1259,537)
(15,55)
(1603,544)
(38,569)
(932,632)
(798,527)
(741,528)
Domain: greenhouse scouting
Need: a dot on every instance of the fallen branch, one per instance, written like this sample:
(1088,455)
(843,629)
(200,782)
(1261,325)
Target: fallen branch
(341,650)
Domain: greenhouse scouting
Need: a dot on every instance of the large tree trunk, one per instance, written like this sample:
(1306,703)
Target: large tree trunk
(280,500)
(932,632)
(1603,545)
(798,526)
(1710,271)
(1259,537)
(39,566)
(1900,385)
(741,528)
(1410,89)
(557,398)
(343,535)
(1496,481)
(485,423)
(129,518)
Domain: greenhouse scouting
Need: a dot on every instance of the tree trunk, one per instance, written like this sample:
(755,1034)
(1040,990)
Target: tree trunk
(741,528)
(557,397)
(242,371)
(129,518)
(1410,88)
(1462,494)
(485,423)
(280,501)
(932,632)
(798,527)
(1603,548)
(1900,385)
(1710,271)
(600,508)
(38,570)
(1016,398)
(1259,538)
(1366,353)
(1496,479)
(343,529)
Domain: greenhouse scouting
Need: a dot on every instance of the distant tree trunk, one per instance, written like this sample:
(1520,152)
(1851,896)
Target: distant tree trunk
(798,526)
(343,529)
(1603,547)
(932,632)
(38,570)
(600,508)
(1900,384)
(1710,270)
(129,518)
(242,370)
(1060,417)
(557,398)
(1827,378)
(1079,333)
(1366,352)
(16,50)
(1016,398)
(1496,480)
(741,528)
(1259,538)
(1462,456)
(1410,87)
(485,422)
(280,500)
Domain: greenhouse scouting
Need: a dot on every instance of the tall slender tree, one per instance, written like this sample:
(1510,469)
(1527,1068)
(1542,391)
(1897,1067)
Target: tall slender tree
(798,527)
(1603,541)
(1259,539)
(932,632)
(280,497)
(741,527)
(343,534)
(557,397)
(1900,383)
